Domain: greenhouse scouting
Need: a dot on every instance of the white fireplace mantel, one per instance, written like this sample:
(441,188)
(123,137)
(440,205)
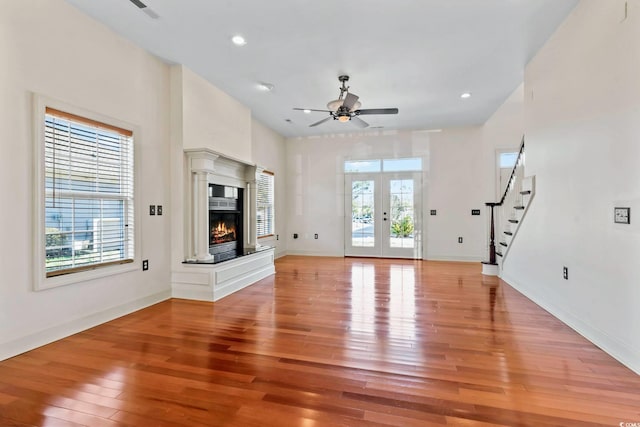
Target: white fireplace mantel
(212,281)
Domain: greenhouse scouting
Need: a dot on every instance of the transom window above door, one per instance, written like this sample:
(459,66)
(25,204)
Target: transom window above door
(410,164)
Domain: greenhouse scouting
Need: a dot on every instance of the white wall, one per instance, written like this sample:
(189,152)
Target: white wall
(50,48)
(315,188)
(315,183)
(212,119)
(460,180)
(202,117)
(269,151)
(582,105)
(503,131)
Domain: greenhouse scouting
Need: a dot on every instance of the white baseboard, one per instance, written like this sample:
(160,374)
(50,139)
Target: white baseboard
(430,258)
(49,335)
(610,345)
(453,258)
(490,269)
(193,292)
(314,253)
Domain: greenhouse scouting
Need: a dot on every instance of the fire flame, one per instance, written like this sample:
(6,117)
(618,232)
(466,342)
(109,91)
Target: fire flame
(221,233)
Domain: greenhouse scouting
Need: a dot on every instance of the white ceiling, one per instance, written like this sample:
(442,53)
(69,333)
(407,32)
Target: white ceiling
(416,55)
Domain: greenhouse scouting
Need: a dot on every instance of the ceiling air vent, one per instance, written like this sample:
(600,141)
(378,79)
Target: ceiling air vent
(145,9)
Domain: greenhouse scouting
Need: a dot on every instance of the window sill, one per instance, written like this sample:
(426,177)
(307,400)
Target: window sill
(82,276)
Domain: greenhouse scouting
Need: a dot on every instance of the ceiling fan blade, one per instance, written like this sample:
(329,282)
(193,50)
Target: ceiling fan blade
(359,122)
(349,101)
(376,111)
(311,109)
(321,121)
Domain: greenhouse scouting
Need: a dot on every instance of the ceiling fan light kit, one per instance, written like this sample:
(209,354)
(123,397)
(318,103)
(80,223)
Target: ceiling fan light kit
(347,108)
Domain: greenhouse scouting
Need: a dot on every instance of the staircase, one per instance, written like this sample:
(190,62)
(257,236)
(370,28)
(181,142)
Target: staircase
(507,215)
(511,214)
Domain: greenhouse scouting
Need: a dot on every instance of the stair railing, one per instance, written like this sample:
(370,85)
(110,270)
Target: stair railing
(504,219)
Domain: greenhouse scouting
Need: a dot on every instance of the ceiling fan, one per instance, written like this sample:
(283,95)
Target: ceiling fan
(347,108)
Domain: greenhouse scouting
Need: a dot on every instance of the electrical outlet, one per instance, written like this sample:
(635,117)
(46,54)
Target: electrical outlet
(152,209)
(315,236)
(145,265)
(459,239)
(565,273)
(159,209)
(277,237)
(295,235)
(434,212)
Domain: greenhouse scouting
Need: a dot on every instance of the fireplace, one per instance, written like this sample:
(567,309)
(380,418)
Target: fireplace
(224,228)
(225,222)
(220,241)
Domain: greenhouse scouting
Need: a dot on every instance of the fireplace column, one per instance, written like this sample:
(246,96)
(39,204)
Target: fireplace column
(201,164)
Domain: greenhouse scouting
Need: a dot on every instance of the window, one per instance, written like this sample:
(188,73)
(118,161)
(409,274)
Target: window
(88,194)
(265,208)
(508,160)
(359,166)
(402,165)
(385,165)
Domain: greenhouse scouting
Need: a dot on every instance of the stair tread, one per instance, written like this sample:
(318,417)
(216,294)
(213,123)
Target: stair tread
(498,253)
(508,233)
(518,208)
(514,221)
(525,192)
(504,244)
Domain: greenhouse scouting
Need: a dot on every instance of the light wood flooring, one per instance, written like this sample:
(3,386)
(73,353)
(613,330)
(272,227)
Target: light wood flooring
(328,342)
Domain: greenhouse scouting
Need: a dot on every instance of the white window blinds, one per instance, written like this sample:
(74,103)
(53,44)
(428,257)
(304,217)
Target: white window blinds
(265,207)
(88,194)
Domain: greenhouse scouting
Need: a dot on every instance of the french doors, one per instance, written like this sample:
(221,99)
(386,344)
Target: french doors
(383,214)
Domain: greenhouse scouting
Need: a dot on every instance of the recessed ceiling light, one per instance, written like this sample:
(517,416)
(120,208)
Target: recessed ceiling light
(307,111)
(265,87)
(465,95)
(238,40)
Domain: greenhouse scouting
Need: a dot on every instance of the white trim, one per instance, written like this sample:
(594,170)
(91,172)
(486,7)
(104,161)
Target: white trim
(54,333)
(210,282)
(453,258)
(315,253)
(40,281)
(490,269)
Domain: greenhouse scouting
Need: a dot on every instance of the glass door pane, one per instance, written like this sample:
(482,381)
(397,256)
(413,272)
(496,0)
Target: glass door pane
(362,213)
(401,213)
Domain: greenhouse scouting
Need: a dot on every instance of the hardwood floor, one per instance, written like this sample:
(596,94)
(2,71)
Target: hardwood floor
(328,341)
